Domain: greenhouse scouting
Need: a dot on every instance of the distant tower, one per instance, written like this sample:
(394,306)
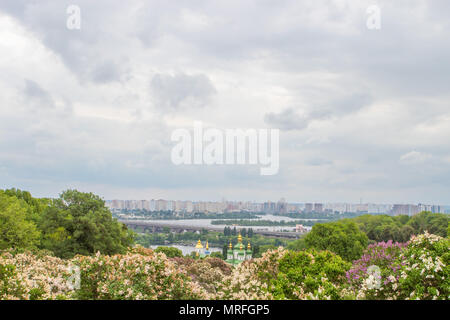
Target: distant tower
(207,253)
(230,252)
(199,248)
(248,254)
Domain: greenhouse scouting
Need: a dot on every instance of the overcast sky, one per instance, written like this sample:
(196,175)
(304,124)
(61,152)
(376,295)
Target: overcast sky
(362,113)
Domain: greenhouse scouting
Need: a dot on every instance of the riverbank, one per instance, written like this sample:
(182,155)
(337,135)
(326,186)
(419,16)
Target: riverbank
(186,249)
(264,223)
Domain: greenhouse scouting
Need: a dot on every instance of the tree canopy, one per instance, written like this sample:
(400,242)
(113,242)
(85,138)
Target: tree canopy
(75,223)
(400,228)
(16,229)
(341,237)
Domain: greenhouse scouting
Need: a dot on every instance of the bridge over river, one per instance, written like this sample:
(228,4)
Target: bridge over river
(153,226)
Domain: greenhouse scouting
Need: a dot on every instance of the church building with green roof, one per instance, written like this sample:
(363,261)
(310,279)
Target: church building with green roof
(239,253)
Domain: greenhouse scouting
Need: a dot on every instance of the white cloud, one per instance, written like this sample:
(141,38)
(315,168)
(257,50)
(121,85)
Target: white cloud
(414,158)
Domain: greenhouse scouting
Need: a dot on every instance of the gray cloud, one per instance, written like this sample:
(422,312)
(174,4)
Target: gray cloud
(36,95)
(353,103)
(319,162)
(290,119)
(341,106)
(107,72)
(83,51)
(172,92)
(286,120)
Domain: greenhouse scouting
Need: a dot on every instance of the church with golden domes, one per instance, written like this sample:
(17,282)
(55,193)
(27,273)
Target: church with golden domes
(239,253)
(200,252)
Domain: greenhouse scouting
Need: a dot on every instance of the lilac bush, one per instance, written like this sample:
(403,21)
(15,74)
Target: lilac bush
(375,274)
(418,269)
(426,272)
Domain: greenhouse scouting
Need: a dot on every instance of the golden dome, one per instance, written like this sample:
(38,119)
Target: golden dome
(199,245)
(239,237)
(230,245)
(207,246)
(248,246)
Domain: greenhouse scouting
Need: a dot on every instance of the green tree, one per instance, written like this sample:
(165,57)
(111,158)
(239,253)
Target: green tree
(400,228)
(406,232)
(342,237)
(258,250)
(224,250)
(297,245)
(35,205)
(79,223)
(16,231)
(435,223)
(217,254)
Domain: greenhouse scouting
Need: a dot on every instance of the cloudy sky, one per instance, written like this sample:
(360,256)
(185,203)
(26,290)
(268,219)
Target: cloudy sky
(362,113)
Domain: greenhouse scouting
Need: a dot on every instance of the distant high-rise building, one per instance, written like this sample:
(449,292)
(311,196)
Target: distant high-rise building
(281,206)
(309,207)
(117,204)
(405,209)
(269,207)
(145,205)
(161,205)
(362,208)
(189,206)
(424,207)
(318,207)
(436,209)
(152,205)
(180,206)
(378,208)
(170,205)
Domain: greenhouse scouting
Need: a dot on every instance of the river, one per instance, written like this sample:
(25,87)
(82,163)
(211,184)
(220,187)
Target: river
(186,249)
(207,223)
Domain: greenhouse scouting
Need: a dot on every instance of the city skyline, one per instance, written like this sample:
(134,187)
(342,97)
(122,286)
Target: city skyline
(280,206)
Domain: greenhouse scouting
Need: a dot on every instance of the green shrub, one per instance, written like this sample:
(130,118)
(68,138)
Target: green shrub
(170,252)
